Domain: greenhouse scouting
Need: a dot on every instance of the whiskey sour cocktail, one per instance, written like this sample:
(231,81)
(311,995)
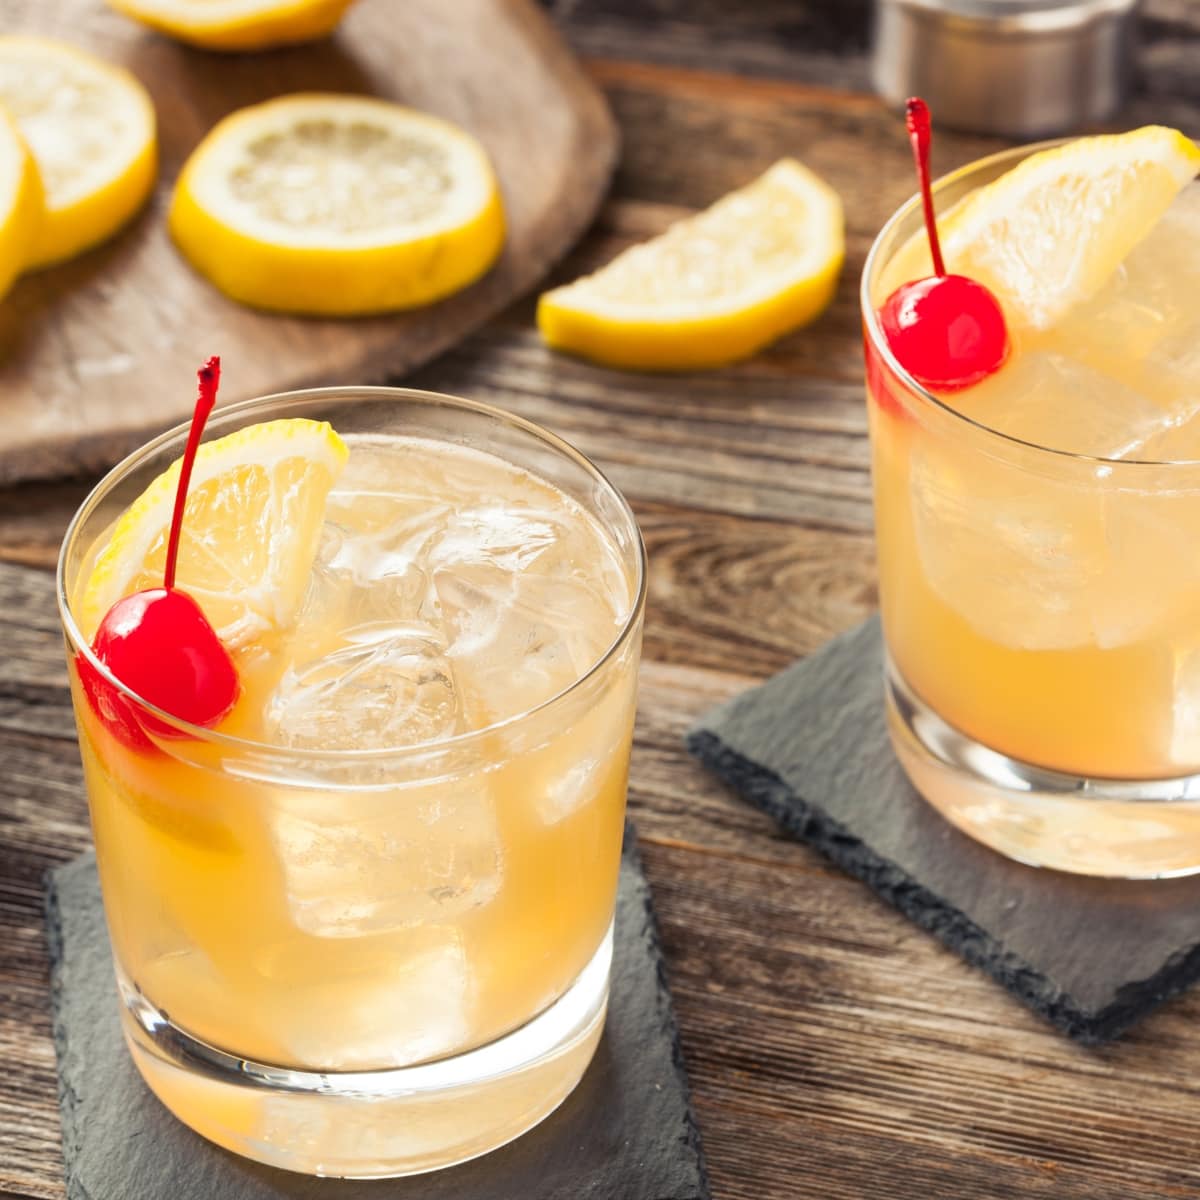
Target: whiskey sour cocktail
(1035,426)
(361,903)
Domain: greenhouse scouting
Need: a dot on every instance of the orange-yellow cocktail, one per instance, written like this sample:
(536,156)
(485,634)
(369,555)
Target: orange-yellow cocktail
(389,872)
(1036,529)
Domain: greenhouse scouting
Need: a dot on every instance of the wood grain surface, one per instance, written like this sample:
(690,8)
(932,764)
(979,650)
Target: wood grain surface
(99,352)
(835,1051)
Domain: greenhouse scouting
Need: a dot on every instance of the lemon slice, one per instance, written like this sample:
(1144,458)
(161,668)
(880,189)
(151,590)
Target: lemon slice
(337,205)
(90,127)
(237,24)
(250,530)
(1046,235)
(22,204)
(715,287)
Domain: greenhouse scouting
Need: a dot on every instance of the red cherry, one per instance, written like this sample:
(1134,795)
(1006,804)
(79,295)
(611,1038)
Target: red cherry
(947,331)
(117,713)
(160,645)
(158,642)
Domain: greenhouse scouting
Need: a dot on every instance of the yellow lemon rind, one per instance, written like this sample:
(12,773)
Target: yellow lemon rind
(980,232)
(120,560)
(334,282)
(102,212)
(690,343)
(275,23)
(686,335)
(294,275)
(21,222)
(99,216)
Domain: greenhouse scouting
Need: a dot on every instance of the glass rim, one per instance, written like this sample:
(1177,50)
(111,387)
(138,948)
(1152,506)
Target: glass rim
(457,742)
(879,343)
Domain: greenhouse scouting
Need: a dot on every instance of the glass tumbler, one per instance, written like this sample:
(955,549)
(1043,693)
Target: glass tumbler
(365,963)
(1042,629)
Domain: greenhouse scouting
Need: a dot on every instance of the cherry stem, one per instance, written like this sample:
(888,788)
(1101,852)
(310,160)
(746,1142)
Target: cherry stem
(209,377)
(916,118)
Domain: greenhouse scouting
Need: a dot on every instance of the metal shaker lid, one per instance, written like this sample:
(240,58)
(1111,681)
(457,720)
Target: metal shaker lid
(1022,68)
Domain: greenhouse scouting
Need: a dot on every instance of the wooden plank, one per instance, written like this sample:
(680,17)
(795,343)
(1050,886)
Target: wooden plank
(33,518)
(85,379)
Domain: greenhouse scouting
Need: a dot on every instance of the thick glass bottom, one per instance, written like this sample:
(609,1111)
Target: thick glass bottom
(374,1124)
(1130,829)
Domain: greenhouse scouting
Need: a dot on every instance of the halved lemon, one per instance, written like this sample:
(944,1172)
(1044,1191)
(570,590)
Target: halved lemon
(1046,235)
(91,129)
(237,24)
(22,203)
(250,530)
(337,205)
(715,287)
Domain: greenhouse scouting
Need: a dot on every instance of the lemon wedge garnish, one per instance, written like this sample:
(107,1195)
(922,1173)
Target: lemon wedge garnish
(250,530)
(237,24)
(1046,235)
(91,129)
(715,287)
(22,203)
(337,205)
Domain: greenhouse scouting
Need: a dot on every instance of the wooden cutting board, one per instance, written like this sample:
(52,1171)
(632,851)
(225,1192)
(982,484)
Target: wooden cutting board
(100,352)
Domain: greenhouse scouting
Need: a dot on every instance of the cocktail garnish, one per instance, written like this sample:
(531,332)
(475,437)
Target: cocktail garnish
(947,331)
(158,642)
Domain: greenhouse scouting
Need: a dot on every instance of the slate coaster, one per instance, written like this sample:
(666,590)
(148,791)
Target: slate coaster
(810,747)
(627,1130)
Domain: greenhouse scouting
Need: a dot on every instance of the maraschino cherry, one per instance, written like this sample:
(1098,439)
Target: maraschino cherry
(158,642)
(947,331)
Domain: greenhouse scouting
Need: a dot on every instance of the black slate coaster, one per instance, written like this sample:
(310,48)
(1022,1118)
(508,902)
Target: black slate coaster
(627,1131)
(811,748)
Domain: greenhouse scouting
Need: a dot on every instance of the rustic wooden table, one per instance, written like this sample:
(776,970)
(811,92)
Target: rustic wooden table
(835,1051)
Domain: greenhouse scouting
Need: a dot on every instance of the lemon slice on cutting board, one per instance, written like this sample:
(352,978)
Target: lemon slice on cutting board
(91,129)
(715,287)
(237,24)
(22,203)
(1046,235)
(337,205)
(250,530)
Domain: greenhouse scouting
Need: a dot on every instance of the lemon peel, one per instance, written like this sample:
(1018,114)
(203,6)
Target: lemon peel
(715,287)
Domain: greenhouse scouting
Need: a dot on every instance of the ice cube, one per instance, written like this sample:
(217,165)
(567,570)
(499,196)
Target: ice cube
(1069,555)
(364,577)
(374,862)
(398,594)
(1170,371)
(1038,555)
(390,1008)
(1059,403)
(506,535)
(516,640)
(1016,555)
(571,789)
(1148,295)
(385,685)
(586,761)
(523,537)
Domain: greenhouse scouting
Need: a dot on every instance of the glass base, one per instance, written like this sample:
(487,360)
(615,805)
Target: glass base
(1129,829)
(374,1124)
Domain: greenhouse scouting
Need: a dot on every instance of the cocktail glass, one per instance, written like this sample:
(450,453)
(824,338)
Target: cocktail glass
(370,962)
(1041,609)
